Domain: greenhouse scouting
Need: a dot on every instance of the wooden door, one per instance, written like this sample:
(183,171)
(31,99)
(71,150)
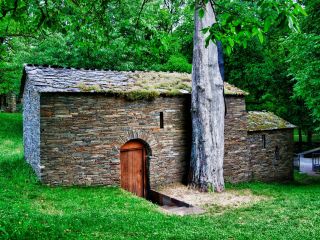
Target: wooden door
(133,164)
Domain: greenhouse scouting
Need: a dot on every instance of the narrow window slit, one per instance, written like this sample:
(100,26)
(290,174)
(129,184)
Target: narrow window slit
(277,153)
(161,119)
(263,141)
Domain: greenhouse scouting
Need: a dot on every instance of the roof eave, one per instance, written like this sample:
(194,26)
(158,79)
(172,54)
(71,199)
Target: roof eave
(270,129)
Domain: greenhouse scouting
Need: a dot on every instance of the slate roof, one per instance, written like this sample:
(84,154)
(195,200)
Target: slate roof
(260,121)
(54,79)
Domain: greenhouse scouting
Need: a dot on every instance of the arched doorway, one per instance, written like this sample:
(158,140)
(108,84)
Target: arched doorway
(133,156)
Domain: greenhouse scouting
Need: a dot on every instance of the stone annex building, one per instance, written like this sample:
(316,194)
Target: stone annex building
(133,129)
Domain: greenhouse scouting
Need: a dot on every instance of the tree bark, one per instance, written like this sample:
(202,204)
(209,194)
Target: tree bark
(300,139)
(207,108)
(309,137)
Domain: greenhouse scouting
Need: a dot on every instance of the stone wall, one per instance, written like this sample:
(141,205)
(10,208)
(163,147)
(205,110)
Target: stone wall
(264,163)
(236,160)
(81,136)
(31,127)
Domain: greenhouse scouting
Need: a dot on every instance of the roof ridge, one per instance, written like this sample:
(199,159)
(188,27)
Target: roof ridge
(54,78)
(54,66)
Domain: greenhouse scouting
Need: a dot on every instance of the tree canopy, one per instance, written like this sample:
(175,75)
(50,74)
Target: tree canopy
(158,35)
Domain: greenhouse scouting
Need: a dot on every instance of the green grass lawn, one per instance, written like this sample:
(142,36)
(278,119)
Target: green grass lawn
(29,210)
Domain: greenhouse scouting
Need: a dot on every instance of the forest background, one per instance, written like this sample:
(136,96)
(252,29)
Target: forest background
(282,75)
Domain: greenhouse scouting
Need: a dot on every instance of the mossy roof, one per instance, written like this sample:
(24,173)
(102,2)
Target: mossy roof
(261,121)
(55,79)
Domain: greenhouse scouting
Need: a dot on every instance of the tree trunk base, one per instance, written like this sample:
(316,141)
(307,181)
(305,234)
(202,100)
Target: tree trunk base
(205,187)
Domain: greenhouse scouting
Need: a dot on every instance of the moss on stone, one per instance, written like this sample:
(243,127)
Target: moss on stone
(163,82)
(260,121)
(88,88)
(133,85)
(140,95)
(149,85)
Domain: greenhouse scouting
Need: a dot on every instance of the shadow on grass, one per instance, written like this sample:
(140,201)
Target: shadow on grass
(17,171)
(305,179)
(301,183)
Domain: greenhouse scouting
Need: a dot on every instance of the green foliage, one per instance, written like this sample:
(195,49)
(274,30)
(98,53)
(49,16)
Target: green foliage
(123,36)
(259,69)
(30,210)
(304,60)
(282,74)
(118,35)
(176,63)
(262,70)
(240,21)
(311,23)
(102,35)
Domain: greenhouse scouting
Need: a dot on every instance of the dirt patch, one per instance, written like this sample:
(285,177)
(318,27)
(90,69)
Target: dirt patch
(226,199)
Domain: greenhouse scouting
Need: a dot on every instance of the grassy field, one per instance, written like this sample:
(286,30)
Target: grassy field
(29,210)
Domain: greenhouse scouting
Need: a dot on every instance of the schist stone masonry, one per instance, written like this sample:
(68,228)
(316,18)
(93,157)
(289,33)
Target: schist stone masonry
(78,124)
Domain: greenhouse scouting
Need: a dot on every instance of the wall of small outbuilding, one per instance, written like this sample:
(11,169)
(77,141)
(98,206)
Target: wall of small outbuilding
(31,126)
(236,159)
(264,164)
(81,136)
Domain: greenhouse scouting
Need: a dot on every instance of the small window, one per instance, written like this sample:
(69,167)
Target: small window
(161,119)
(277,154)
(263,141)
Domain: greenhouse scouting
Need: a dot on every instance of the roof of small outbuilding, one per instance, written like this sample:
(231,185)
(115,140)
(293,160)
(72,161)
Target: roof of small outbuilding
(55,79)
(261,121)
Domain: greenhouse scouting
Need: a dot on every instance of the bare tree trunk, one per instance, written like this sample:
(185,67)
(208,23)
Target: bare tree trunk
(207,109)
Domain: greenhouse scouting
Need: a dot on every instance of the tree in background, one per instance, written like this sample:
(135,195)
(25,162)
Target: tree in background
(282,73)
(104,35)
(303,64)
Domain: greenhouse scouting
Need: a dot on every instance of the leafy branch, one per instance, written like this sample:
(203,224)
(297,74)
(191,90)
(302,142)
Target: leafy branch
(240,21)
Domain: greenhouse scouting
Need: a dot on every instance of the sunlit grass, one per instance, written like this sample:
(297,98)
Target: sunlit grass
(30,210)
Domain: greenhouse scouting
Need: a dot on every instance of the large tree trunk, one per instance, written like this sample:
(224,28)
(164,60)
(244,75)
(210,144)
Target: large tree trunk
(207,109)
